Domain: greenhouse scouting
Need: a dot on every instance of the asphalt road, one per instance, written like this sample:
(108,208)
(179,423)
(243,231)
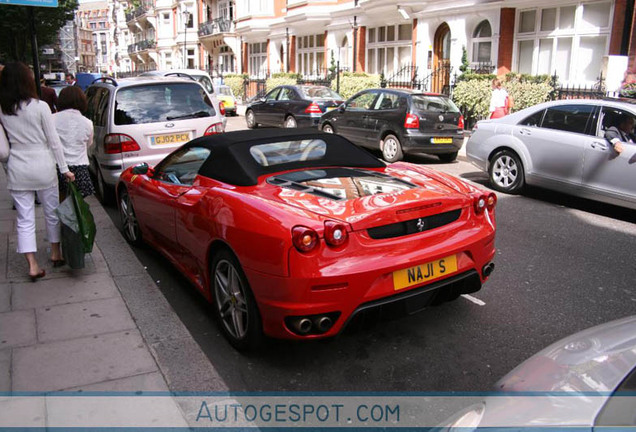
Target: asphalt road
(563,264)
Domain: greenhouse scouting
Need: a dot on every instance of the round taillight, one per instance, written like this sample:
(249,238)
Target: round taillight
(335,233)
(491,201)
(304,239)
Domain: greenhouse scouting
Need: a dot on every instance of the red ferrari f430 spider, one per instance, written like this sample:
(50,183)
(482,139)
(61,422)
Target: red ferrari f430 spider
(293,233)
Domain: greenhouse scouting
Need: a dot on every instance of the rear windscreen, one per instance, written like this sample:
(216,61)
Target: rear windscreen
(318,92)
(433,103)
(161,102)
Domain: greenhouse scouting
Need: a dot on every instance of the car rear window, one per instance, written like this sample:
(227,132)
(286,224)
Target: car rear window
(433,103)
(226,91)
(288,151)
(318,92)
(161,102)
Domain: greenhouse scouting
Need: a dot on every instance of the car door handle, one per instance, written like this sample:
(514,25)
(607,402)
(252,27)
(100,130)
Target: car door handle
(525,132)
(599,145)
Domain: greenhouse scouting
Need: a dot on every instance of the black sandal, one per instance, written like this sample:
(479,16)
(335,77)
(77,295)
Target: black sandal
(37,276)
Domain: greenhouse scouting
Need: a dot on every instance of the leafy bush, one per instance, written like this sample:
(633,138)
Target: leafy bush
(351,83)
(236,83)
(472,92)
(279,79)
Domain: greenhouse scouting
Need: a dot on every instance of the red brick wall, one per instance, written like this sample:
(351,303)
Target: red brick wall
(292,54)
(506,40)
(245,57)
(361,50)
(618,26)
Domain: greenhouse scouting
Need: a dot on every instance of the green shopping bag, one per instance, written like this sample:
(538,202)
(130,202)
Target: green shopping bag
(75,213)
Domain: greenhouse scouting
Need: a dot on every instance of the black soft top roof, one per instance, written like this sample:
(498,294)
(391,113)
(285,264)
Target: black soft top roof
(230,160)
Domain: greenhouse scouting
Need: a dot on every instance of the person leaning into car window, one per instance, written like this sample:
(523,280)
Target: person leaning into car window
(622,133)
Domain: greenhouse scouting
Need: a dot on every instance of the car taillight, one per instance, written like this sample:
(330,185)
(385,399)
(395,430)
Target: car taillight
(119,143)
(335,233)
(485,201)
(216,128)
(460,123)
(304,239)
(313,108)
(222,108)
(412,122)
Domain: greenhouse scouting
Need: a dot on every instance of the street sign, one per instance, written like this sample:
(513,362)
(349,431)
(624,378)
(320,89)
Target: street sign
(40,3)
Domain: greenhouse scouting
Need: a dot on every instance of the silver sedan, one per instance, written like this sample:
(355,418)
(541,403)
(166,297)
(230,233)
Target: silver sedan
(558,145)
(586,380)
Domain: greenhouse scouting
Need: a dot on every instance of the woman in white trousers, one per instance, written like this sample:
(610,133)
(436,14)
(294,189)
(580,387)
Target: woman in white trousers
(35,149)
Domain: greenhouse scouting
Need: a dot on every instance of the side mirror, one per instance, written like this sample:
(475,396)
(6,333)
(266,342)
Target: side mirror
(141,169)
(342,108)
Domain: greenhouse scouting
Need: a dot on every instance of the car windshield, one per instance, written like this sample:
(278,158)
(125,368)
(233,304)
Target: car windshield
(161,102)
(434,103)
(288,151)
(226,91)
(318,92)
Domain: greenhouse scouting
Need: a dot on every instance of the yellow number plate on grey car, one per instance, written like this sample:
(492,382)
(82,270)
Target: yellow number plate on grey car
(425,272)
(170,139)
(442,140)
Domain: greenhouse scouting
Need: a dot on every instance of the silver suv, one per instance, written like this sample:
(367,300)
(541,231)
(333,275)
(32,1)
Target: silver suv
(142,120)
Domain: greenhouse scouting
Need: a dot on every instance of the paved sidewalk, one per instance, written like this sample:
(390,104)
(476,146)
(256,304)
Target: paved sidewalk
(106,327)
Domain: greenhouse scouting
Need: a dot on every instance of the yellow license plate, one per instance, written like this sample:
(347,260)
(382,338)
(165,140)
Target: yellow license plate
(331,108)
(442,140)
(170,139)
(423,273)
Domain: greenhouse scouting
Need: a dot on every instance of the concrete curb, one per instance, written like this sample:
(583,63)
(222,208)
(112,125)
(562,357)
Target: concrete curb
(179,358)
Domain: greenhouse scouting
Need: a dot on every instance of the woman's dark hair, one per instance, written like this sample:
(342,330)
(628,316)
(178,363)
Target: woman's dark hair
(17,85)
(72,97)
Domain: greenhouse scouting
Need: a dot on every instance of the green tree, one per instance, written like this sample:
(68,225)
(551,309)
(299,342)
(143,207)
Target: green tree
(15,37)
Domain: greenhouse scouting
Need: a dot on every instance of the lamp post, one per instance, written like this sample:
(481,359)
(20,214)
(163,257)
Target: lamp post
(186,18)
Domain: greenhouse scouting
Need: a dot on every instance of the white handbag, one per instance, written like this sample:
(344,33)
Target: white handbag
(4,145)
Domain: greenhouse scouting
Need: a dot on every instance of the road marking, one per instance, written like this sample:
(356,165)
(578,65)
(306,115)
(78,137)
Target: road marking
(474,300)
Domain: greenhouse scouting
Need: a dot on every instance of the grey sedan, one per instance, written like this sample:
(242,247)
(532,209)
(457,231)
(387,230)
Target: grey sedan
(558,145)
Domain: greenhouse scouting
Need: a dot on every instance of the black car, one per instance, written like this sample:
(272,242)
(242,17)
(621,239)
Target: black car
(398,122)
(292,106)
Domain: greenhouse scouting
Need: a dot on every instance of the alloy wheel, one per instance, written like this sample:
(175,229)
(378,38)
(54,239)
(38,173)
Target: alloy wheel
(290,122)
(505,171)
(250,119)
(130,227)
(231,300)
(327,128)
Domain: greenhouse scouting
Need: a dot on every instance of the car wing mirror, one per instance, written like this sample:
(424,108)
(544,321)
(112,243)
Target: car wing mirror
(142,169)
(342,108)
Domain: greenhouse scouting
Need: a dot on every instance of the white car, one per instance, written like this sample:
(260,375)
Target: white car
(143,119)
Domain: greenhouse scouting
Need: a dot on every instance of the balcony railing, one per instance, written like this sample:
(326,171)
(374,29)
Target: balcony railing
(136,13)
(215,26)
(141,46)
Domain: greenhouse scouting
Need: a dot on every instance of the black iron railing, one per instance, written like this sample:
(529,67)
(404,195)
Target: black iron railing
(215,26)
(142,46)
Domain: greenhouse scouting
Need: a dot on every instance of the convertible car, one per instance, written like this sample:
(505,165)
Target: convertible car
(293,233)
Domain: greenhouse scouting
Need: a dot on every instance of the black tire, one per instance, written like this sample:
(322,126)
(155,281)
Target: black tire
(128,217)
(447,157)
(234,306)
(290,122)
(327,128)
(250,119)
(103,191)
(392,149)
(505,172)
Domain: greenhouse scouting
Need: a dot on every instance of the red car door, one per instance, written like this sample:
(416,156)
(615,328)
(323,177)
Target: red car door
(155,204)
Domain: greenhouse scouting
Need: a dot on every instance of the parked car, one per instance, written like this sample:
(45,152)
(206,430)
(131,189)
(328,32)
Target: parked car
(201,77)
(224,94)
(292,106)
(144,119)
(56,85)
(292,233)
(558,145)
(398,122)
(585,381)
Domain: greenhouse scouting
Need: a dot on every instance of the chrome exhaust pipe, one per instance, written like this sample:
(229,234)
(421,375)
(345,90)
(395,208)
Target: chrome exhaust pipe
(303,325)
(488,269)
(324,324)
